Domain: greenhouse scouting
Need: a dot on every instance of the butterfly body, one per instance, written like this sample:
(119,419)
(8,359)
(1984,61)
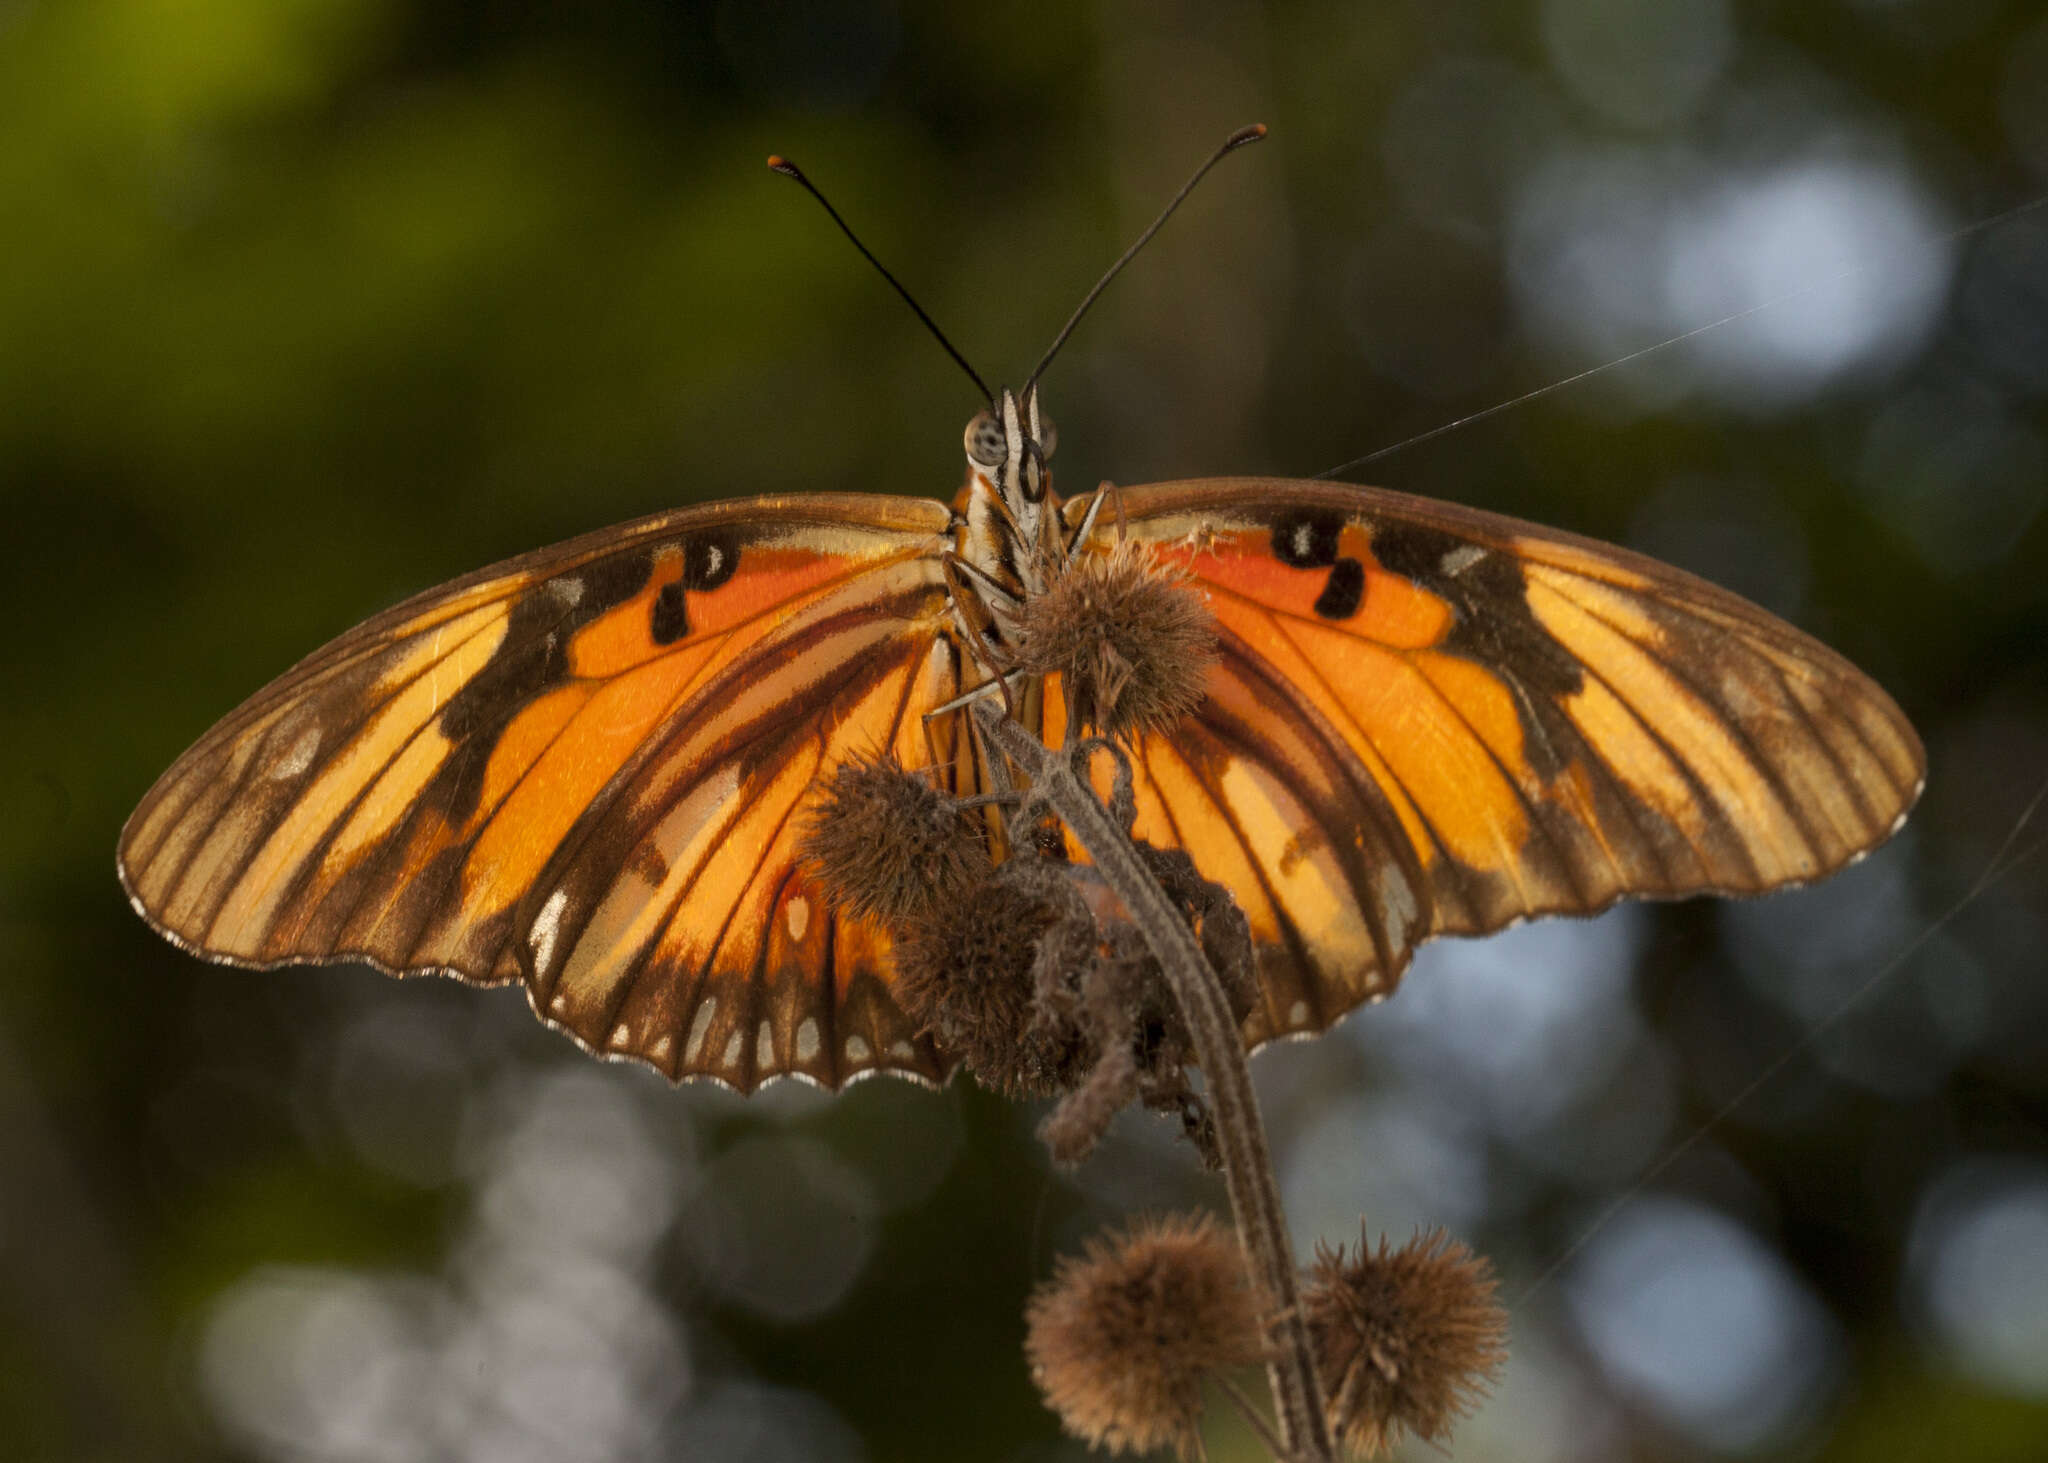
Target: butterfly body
(587,769)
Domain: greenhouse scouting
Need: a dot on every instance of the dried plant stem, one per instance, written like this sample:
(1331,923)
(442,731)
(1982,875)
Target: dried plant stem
(1247,1164)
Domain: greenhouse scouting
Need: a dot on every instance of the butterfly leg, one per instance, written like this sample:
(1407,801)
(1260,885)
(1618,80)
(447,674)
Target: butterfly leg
(1086,526)
(979,693)
(960,703)
(994,772)
(974,615)
(987,585)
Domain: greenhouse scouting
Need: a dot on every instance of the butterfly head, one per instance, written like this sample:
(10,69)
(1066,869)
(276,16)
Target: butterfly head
(1008,470)
(1010,445)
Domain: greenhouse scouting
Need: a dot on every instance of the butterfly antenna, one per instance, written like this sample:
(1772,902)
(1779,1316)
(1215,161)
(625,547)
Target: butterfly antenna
(1244,136)
(789,169)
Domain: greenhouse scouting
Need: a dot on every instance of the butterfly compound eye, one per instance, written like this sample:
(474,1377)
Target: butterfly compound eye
(985,441)
(1048,435)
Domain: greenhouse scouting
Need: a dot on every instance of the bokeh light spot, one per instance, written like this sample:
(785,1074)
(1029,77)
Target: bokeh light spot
(1978,1266)
(304,1362)
(1403,1162)
(780,1227)
(1703,1323)
(1835,268)
(1845,256)
(1523,1022)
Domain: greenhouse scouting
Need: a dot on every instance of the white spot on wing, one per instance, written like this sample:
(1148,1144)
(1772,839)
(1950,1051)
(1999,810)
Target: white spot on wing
(857,1049)
(1297,1014)
(1741,699)
(568,589)
(622,1035)
(732,1050)
(1458,560)
(300,757)
(699,1024)
(764,1047)
(807,1039)
(799,917)
(659,1051)
(903,1051)
(1397,911)
(546,927)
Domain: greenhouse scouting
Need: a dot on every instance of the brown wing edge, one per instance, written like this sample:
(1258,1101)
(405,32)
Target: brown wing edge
(942,1068)
(1385,983)
(869,510)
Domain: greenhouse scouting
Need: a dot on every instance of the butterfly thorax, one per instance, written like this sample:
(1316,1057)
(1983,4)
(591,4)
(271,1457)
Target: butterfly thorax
(1011,512)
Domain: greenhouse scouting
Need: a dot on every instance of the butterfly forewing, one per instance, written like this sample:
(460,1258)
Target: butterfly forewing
(583,769)
(1428,720)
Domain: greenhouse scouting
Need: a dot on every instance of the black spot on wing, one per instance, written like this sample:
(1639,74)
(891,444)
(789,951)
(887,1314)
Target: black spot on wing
(671,615)
(1489,596)
(1344,592)
(533,656)
(709,560)
(1307,540)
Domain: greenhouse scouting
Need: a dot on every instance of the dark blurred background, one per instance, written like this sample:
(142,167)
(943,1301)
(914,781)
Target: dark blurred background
(308,304)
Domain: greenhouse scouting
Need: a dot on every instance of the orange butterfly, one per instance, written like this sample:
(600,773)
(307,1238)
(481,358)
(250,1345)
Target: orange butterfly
(587,769)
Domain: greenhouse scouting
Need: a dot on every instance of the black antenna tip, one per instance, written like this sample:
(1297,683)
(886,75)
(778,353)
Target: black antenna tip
(1237,139)
(777,163)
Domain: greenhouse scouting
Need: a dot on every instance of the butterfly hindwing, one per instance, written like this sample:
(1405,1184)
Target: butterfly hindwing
(483,779)
(675,924)
(1426,719)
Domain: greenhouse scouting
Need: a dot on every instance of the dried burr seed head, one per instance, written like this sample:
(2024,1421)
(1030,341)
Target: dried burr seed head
(1122,1336)
(1130,638)
(967,974)
(1407,1340)
(888,844)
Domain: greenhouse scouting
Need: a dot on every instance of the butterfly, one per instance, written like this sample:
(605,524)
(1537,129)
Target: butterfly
(588,769)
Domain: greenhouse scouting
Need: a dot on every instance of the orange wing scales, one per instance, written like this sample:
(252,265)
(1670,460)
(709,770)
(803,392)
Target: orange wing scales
(1480,720)
(586,769)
